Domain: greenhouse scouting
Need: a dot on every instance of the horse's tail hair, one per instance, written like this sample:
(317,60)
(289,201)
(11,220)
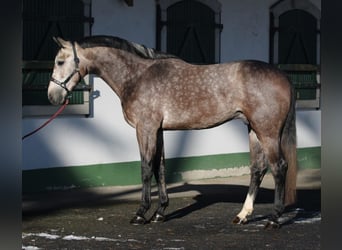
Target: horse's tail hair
(289,149)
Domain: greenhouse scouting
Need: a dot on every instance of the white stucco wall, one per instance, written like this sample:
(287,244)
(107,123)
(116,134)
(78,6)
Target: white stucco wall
(106,137)
(115,18)
(245,30)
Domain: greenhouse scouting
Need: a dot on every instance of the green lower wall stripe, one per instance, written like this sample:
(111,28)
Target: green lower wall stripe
(309,158)
(128,173)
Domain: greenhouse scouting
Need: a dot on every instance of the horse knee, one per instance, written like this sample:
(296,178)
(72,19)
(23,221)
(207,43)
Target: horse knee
(146,172)
(146,177)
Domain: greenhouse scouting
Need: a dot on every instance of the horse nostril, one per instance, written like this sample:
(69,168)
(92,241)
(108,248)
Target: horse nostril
(55,100)
(52,101)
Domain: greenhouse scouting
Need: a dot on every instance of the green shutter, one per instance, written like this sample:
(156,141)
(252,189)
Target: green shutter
(304,79)
(191,32)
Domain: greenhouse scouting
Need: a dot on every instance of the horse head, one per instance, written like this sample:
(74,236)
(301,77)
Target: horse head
(67,72)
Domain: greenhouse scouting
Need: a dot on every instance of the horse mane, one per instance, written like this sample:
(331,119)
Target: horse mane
(122,44)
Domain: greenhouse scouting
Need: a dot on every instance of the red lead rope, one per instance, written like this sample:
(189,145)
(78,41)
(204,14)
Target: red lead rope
(48,121)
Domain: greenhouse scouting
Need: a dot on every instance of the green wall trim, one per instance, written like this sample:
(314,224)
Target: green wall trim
(128,173)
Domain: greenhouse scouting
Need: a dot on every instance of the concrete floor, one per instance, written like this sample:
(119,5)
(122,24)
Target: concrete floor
(199,217)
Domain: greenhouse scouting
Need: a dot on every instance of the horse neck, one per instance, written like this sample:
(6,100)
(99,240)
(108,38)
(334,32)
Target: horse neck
(116,67)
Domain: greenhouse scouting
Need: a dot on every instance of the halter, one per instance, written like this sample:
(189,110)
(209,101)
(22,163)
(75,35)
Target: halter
(76,70)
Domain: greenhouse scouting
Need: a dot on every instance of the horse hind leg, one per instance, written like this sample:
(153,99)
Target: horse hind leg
(279,174)
(278,167)
(258,170)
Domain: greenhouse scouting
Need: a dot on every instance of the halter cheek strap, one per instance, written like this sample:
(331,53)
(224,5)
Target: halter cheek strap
(76,70)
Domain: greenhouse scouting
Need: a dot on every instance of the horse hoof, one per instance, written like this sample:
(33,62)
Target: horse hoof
(240,221)
(272,225)
(158,218)
(138,220)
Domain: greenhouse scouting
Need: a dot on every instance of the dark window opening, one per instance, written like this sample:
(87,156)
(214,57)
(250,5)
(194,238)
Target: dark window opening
(294,47)
(297,38)
(192,31)
(43,19)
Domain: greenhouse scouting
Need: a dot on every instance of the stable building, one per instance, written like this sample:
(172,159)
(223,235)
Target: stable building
(91,145)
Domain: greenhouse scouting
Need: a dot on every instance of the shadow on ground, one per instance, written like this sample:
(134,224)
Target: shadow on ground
(205,196)
(199,218)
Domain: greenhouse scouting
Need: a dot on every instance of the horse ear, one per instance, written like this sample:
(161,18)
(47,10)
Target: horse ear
(60,42)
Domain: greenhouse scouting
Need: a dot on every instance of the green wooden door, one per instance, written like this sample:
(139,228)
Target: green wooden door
(191,32)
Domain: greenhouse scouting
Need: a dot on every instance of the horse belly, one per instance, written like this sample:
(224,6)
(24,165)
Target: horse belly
(197,116)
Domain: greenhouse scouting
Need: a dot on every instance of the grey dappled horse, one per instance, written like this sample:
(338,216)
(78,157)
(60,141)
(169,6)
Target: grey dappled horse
(162,92)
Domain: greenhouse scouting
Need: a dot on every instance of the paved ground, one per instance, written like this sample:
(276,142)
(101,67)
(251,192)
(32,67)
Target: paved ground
(199,217)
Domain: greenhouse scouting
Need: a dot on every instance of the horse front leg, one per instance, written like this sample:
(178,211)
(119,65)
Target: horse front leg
(146,177)
(159,173)
(147,145)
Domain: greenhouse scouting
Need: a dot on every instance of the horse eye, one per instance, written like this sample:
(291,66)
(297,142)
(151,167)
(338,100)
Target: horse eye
(60,63)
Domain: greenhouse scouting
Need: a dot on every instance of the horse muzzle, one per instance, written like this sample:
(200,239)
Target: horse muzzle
(57,96)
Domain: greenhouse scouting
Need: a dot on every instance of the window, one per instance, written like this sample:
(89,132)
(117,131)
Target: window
(190,29)
(43,19)
(294,42)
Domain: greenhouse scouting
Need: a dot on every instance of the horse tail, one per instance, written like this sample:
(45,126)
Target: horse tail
(289,149)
